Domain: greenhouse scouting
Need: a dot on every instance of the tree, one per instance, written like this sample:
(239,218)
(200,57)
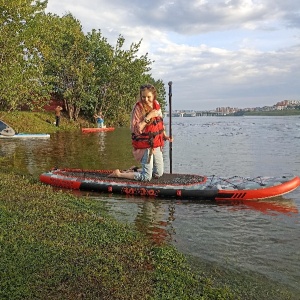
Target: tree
(21,71)
(42,54)
(67,63)
(118,73)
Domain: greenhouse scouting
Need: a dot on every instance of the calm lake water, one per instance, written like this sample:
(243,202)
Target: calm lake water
(261,238)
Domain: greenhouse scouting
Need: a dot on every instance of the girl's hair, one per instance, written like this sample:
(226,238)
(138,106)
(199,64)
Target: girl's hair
(150,88)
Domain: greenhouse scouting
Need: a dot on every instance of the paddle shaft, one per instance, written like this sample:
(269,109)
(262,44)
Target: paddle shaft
(170,124)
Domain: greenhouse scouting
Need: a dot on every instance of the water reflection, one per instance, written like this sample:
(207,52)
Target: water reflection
(276,205)
(101,141)
(149,215)
(155,217)
(24,155)
(103,150)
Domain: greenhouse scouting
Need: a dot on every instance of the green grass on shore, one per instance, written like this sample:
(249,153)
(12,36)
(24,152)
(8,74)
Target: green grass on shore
(40,122)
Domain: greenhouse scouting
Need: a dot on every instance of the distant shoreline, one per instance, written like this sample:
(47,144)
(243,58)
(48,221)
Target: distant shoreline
(279,113)
(282,113)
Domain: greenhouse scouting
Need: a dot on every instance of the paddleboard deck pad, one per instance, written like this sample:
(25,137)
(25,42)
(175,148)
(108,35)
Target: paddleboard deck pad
(174,185)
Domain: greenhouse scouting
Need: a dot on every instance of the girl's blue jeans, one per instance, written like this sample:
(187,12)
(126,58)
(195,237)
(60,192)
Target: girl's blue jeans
(155,167)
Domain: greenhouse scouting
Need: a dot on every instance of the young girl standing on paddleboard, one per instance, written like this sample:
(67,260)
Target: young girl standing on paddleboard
(148,136)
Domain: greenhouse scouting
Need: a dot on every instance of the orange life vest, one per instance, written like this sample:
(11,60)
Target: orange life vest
(152,136)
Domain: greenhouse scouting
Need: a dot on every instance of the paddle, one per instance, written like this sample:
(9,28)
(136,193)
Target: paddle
(170,124)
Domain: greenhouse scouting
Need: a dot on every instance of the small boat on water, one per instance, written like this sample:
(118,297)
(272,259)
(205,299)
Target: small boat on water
(90,130)
(25,136)
(6,132)
(182,186)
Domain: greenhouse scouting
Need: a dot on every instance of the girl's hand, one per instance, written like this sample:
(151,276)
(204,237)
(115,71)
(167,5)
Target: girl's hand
(152,114)
(168,138)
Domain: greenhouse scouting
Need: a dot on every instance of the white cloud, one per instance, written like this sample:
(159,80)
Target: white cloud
(239,53)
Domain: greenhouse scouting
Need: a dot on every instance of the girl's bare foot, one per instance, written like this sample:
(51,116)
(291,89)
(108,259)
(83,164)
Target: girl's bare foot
(115,173)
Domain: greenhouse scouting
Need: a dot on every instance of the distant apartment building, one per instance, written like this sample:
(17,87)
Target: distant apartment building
(227,110)
(286,103)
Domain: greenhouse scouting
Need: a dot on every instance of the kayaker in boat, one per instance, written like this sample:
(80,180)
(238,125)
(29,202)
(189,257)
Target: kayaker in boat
(99,120)
(148,136)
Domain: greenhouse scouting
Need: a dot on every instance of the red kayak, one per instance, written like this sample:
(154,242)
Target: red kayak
(88,130)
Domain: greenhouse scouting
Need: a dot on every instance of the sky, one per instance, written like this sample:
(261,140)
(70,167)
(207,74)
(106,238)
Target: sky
(217,53)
